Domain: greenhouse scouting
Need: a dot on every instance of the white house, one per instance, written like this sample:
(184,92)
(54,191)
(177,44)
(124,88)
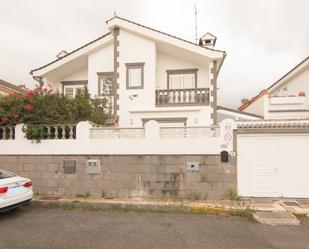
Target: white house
(166,142)
(287,98)
(145,73)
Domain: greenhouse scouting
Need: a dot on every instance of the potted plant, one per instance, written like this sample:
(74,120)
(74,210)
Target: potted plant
(302,94)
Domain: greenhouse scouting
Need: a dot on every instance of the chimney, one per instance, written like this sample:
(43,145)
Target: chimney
(208,40)
(62,54)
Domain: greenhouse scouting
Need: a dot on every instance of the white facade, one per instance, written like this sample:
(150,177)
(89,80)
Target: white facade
(161,55)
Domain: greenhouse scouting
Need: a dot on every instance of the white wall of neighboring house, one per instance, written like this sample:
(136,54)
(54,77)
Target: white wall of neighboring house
(294,85)
(257,107)
(284,101)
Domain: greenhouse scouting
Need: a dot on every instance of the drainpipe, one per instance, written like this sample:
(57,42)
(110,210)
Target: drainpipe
(38,79)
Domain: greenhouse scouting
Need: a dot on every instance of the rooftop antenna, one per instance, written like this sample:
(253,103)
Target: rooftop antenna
(195,13)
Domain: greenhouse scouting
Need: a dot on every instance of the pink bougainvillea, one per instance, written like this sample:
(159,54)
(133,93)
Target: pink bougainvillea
(29,107)
(4,120)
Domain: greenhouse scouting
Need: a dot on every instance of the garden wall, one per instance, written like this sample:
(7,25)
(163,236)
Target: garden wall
(159,176)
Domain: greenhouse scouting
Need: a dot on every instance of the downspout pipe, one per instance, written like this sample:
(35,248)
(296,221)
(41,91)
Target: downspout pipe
(38,79)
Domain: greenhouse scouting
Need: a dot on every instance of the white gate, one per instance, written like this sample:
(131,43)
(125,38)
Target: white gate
(273,165)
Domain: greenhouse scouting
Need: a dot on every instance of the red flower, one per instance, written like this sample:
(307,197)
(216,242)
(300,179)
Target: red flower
(15,116)
(4,120)
(13,94)
(29,107)
(28,94)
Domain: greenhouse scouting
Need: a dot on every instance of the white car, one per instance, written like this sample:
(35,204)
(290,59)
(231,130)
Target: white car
(14,190)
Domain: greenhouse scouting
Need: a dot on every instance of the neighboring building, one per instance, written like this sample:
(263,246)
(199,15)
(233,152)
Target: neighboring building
(146,74)
(285,99)
(224,113)
(7,88)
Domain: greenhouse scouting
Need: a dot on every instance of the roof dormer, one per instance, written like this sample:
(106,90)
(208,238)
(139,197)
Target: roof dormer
(208,40)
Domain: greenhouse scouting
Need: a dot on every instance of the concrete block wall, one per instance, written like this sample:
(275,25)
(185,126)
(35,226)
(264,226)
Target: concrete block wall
(159,176)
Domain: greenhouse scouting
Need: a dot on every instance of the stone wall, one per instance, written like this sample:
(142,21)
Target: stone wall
(163,176)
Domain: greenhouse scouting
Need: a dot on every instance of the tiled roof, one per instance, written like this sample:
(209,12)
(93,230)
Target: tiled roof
(289,123)
(10,85)
(245,105)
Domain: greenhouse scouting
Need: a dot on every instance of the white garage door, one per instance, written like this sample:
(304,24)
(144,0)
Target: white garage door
(273,165)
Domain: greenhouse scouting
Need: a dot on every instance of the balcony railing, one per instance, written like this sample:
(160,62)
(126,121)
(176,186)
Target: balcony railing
(174,97)
(106,132)
(59,131)
(287,103)
(189,132)
(7,132)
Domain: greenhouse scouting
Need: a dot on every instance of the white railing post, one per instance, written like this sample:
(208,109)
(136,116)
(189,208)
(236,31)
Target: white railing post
(19,134)
(152,130)
(83,131)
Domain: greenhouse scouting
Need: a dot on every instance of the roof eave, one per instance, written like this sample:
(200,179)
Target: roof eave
(117,22)
(66,58)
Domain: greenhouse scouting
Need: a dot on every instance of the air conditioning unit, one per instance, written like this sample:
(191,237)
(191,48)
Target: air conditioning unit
(93,167)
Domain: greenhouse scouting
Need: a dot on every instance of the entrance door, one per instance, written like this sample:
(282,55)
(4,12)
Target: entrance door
(264,155)
(274,165)
(258,166)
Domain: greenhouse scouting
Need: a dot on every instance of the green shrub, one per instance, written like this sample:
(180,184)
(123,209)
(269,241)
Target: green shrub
(41,106)
(231,194)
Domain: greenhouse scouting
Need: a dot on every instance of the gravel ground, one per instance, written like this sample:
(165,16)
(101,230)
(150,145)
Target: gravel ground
(33,227)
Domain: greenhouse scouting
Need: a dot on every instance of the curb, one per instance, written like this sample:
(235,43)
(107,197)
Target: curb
(140,205)
(66,204)
(143,206)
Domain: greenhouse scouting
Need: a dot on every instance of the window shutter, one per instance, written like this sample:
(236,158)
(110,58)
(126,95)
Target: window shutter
(69,92)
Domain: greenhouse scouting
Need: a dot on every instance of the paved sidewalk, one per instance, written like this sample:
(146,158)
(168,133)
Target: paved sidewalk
(300,207)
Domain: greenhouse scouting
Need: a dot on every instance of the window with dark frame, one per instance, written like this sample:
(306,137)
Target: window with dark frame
(182,78)
(135,75)
(105,81)
(70,88)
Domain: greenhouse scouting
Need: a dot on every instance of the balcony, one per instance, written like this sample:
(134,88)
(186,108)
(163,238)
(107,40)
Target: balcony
(182,97)
(287,103)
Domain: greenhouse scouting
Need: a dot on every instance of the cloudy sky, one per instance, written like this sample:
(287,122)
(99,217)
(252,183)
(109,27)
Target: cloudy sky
(263,39)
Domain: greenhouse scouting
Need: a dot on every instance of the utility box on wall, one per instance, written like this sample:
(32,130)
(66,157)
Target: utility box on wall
(69,166)
(193,166)
(93,167)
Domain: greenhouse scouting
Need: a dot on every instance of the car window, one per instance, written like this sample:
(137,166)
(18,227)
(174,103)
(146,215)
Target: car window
(5,174)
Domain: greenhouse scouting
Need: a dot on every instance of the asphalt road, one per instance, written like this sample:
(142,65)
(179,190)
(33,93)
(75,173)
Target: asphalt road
(82,229)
